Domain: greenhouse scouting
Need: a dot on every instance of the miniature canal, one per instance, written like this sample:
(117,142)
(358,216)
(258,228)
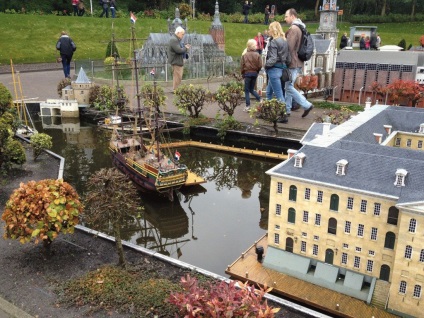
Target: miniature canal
(208,226)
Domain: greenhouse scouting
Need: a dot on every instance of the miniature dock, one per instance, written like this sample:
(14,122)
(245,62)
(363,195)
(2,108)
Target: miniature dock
(250,152)
(193,179)
(248,268)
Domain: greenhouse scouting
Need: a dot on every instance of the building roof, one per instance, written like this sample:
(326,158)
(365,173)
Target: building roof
(381,57)
(371,166)
(82,77)
(322,46)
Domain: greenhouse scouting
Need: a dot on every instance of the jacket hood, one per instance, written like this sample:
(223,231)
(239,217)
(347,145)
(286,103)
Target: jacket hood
(299,22)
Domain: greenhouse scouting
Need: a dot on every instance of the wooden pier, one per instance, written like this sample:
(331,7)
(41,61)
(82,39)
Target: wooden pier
(248,268)
(244,151)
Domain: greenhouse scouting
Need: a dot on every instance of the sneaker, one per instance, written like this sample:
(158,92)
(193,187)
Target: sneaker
(246,109)
(306,112)
(282,120)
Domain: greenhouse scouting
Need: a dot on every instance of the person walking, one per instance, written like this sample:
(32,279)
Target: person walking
(260,43)
(66,47)
(250,65)
(378,41)
(267,12)
(294,39)
(81,8)
(113,8)
(362,43)
(176,52)
(277,59)
(246,8)
(75,6)
(105,7)
(343,41)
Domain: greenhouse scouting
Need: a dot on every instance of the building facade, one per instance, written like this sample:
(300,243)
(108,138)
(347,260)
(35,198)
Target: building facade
(346,211)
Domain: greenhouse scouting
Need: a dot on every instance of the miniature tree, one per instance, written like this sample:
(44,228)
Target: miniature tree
(191,99)
(112,50)
(229,96)
(153,95)
(408,91)
(221,300)
(40,210)
(307,83)
(6,99)
(111,197)
(270,110)
(40,142)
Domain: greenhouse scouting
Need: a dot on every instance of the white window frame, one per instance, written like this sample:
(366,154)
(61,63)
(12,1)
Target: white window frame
(305,218)
(358,249)
(400,177)
(364,204)
(371,253)
(315,250)
(307,193)
(349,203)
(303,246)
(320,195)
(408,143)
(341,167)
(278,209)
(345,246)
(374,232)
(344,259)
(397,142)
(412,226)
(277,238)
(417,291)
(402,287)
(377,209)
(357,262)
(279,187)
(318,219)
(370,265)
(361,229)
(419,144)
(408,252)
(348,227)
(422,256)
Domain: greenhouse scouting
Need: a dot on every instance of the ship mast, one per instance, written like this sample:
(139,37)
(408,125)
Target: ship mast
(133,39)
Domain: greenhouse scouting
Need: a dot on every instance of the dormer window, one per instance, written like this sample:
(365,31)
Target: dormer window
(421,131)
(341,167)
(400,177)
(298,159)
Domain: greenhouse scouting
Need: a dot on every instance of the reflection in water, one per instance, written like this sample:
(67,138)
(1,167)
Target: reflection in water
(208,226)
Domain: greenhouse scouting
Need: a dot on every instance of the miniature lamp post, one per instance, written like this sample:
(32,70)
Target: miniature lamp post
(368,103)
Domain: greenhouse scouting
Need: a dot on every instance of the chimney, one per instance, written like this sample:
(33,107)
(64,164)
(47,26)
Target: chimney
(326,129)
(388,129)
(378,137)
(291,152)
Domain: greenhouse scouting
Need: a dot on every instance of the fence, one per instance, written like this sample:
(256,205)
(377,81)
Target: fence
(159,72)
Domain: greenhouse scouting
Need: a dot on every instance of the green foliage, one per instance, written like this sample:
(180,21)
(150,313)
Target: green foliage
(5,99)
(329,105)
(39,211)
(111,197)
(185,10)
(335,116)
(229,96)
(228,123)
(358,19)
(190,99)
(111,50)
(39,142)
(270,110)
(135,291)
(107,98)
(153,95)
(14,152)
(228,299)
(62,84)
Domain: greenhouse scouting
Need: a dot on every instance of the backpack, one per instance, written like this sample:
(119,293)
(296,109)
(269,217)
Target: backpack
(306,48)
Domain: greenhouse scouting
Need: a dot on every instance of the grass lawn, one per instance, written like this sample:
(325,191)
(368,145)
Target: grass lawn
(32,38)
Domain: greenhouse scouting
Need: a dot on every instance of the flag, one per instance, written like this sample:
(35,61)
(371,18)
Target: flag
(152,72)
(133,17)
(177,155)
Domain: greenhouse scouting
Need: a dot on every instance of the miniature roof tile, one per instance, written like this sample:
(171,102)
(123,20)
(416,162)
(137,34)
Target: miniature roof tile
(82,77)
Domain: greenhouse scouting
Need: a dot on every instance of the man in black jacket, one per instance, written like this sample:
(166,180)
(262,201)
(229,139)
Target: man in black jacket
(246,8)
(66,47)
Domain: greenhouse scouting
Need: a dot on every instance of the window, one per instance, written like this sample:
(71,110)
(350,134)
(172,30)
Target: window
(317,219)
(358,249)
(278,209)
(402,287)
(392,218)
(420,144)
(371,253)
(397,142)
(389,241)
(334,202)
(307,194)
(370,265)
(408,142)
(319,196)
(316,238)
(277,238)
(305,216)
(422,256)
(363,206)
(400,177)
(348,225)
(408,251)
(344,258)
(412,225)
(298,159)
(345,246)
(350,203)
(292,193)
(303,247)
(417,291)
(315,250)
(304,234)
(361,230)
(279,187)
(377,209)
(332,226)
(277,227)
(341,167)
(357,262)
(373,236)
(291,217)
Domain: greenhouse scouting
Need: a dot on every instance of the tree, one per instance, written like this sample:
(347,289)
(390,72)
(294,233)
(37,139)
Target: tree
(271,110)
(6,100)
(307,83)
(405,91)
(191,99)
(111,197)
(40,142)
(40,210)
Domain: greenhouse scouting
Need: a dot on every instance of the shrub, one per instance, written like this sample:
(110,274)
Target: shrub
(190,99)
(402,44)
(229,96)
(221,300)
(185,10)
(335,116)
(270,110)
(153,95)
(41,210)
(107,98)
(14,152)
(39,142)
(111,50)
(5,99)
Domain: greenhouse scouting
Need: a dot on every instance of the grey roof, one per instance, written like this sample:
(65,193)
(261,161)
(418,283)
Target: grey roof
(322,46)
(371,167)
(313,131)
(82,77)
(381,57)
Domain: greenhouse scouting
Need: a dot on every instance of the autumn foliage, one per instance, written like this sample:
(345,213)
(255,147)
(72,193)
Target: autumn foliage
(307,83)
(400,92)
(221,300)
(40,210)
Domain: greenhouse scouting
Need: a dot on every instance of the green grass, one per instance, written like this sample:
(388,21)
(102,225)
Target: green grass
(32,38)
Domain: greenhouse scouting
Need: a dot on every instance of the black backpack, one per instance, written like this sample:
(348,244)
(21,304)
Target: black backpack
(306,48)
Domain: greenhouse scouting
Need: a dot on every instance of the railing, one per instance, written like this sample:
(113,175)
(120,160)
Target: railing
(158,72)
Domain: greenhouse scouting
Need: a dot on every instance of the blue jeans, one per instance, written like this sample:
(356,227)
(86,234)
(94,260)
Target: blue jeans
(249,87)
(66,64)
(105,11)
(292,92)
(246,19)
(274,84)
(113,11)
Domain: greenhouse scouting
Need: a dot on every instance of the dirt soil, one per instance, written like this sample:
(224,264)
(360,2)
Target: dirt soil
(29,279)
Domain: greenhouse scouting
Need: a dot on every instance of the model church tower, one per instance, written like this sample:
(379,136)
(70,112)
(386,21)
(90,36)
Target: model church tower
(217,30)
(328,19)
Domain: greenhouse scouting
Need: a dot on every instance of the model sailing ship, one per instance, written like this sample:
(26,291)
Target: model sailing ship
(151,167)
